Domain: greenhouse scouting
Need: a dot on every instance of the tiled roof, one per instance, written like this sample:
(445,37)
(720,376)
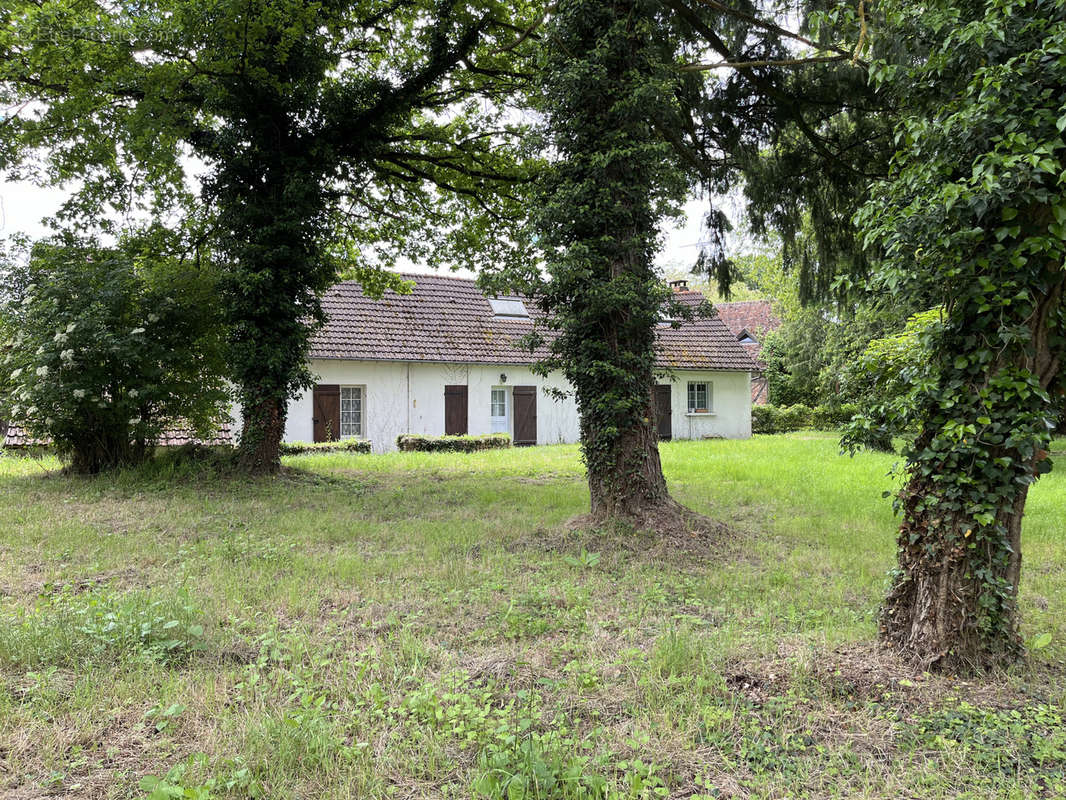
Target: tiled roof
(17,436)
(448,319)
(754,316)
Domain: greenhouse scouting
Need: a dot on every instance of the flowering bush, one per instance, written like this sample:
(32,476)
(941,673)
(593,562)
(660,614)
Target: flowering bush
(105,346)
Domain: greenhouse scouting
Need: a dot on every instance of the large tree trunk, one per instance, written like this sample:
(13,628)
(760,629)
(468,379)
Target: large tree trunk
(260,447)
(632,489)
(938,610)
(953,604)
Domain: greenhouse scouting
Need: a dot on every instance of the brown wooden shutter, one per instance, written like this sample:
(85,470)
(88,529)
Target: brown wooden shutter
(326,412)
(664,413)
(525,415)
(455,410)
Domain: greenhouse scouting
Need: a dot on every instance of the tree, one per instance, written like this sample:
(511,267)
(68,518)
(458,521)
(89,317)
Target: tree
(786,111)
(974,213)
(108,345)
(337,135)
(609,75)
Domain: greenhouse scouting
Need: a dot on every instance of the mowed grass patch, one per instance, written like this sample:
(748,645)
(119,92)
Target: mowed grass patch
(423,625)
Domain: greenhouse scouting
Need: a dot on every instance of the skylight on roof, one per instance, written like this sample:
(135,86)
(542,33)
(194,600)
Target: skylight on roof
(508,308)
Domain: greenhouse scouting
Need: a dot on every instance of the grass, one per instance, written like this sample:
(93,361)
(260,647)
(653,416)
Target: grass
(423,625)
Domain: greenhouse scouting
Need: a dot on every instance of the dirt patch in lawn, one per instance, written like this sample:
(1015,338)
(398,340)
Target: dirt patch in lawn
(868,672)
(692,538)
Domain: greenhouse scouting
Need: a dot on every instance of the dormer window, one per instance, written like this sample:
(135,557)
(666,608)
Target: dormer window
(509,309)
(746,338)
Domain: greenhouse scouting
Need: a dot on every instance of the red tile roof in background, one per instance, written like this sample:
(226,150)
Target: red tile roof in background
(448,320)
(754,316)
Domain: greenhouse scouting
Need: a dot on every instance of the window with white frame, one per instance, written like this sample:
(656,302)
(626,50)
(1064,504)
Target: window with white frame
(498,410)
(700,397)
(351,412)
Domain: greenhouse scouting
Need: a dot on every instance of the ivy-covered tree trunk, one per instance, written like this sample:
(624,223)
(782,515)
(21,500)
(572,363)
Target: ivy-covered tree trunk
(953,604)
(973,216)
(607,82)
(630,486)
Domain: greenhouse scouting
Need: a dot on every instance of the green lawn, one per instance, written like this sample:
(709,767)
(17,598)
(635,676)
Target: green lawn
(421,626)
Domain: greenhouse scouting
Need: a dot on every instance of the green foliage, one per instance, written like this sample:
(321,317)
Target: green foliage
(340,446)
(523,751)
(974,217)
(783,419)
(887,376)
(176,784)
(108,346)
(1029,740)
(73,629)
(411,442)
(810,358)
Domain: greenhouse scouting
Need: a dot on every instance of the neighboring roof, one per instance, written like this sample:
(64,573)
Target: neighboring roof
(448,320)
(17,436)
(754,317)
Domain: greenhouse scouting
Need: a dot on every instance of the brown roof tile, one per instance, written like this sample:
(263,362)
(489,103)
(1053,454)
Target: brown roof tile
(17,436)
(448,319)
(754,316)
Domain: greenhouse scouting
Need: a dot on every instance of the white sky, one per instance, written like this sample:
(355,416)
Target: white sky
(23,206)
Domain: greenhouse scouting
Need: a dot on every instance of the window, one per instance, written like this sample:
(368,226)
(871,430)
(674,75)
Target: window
(515,309)
(498,410)
(699,397)
(351,411)
(746,338)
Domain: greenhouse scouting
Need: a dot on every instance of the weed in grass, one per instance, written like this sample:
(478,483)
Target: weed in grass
(184,782)
(72,629)
(1004,743)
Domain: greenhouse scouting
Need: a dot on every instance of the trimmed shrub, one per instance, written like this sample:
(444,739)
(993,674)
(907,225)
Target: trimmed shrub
(783,419)
(342,446)
(409,442)
(824,418)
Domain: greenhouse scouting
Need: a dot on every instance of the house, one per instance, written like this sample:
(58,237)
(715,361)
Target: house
(445,359)
(750,321)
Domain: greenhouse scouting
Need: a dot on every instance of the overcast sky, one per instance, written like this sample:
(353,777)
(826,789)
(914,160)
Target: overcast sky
(23,206)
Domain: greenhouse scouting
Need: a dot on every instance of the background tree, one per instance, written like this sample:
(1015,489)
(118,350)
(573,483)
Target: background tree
(609,80)
(109,345)
(974,213)
(336,136)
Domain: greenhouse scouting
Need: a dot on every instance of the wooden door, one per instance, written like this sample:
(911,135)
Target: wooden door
(455,410)
(326,412)
(664,413)
(525,415)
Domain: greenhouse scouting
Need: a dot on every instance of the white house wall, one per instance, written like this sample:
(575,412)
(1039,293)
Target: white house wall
(408,397)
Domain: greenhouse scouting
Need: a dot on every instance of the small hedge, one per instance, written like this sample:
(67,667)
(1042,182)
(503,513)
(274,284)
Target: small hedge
(410,442)
(342,446)
(782,419)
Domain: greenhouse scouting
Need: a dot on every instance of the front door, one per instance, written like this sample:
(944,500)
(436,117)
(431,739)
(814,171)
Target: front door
(664,415)
(455,410)
(525,415)
(326,412)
